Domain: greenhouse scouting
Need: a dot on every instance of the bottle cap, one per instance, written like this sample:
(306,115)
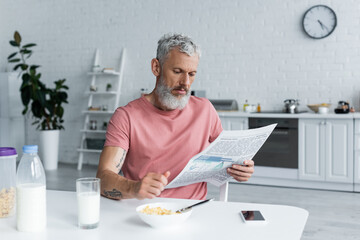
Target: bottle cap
(7,151)
(30,148)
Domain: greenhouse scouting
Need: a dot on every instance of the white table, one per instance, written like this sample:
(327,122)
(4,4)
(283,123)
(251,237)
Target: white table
(118,220)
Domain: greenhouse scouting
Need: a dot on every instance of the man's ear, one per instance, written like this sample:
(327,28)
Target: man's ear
(155,67)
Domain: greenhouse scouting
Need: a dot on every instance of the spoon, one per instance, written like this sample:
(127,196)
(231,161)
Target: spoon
(196,204)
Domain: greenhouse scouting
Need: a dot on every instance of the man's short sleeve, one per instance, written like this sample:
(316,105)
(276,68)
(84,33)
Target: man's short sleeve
(216,127)
(118,130)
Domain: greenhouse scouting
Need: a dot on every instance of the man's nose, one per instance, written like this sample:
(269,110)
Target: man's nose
(185,80)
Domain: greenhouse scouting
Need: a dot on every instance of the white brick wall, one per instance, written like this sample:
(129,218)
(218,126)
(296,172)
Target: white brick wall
(252,49)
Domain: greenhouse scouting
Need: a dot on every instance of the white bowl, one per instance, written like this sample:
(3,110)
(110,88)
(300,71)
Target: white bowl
(323,110)
(160,221)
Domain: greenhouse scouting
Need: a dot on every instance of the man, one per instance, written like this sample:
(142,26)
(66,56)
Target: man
(152,138)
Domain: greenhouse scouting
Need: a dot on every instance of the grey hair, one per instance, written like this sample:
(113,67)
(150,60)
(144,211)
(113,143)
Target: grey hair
(182,42)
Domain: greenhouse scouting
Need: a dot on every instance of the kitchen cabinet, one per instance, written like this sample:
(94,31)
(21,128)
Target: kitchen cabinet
(326,150)
(357,156)
(234,123)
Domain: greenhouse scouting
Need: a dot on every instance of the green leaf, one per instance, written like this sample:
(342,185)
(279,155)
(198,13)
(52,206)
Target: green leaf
(36,109)
(60,112)
(32,72)
(40,95)
(25,95)
(34,66)
(29,55)
(17,37)
(24,67)
(29,45)
(38,76)
(43,125)
(25,51)
(11,55)
(17,66)
(14,44)
(14,60)
(25,77)
(25,110)
(63,96)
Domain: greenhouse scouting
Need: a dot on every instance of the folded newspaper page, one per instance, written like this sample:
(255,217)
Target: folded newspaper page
(230,147)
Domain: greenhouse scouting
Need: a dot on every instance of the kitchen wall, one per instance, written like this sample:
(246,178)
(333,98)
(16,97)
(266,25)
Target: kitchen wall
(252,49)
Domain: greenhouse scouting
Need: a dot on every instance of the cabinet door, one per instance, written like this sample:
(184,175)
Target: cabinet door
(357,152)
(339,150)
(311,149)
(235,123)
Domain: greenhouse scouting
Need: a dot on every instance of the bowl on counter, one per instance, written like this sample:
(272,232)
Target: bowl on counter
(315,107)
(153,218)
(323,110)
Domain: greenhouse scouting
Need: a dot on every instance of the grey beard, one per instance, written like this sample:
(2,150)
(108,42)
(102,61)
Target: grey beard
(168,100)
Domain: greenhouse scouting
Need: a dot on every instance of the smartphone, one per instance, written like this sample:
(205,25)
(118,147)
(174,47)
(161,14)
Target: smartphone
(252,217)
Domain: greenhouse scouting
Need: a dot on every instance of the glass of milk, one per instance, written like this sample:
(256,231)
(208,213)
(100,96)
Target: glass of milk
(88,198)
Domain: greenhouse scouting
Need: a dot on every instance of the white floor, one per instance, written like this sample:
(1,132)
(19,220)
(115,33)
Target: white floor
(333,215)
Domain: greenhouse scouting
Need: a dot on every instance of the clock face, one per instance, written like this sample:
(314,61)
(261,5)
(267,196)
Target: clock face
(319,21)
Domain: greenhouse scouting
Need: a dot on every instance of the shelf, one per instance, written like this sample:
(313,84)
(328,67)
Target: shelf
(98,112)
(92,131)
(104,73)
(89,150)
(99,100)
(101,93)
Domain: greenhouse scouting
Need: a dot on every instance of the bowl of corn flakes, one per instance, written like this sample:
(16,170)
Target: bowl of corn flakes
(163,214)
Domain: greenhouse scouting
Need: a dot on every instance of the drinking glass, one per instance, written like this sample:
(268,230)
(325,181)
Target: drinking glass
(88,198)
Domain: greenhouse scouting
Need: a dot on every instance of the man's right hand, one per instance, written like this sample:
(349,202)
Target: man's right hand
(151,185)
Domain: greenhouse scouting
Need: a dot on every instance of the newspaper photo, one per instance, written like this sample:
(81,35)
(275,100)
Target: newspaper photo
(230,147)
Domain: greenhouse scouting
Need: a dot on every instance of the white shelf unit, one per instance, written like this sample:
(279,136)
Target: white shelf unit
(99,96)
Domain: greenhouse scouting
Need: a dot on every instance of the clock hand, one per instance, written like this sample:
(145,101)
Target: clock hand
(323,26)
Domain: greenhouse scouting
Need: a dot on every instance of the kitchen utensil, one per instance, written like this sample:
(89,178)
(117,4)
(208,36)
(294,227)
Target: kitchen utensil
(191,206)
(343,107)
(291,106)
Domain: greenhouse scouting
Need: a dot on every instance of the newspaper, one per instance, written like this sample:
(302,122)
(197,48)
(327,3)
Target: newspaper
(230,147)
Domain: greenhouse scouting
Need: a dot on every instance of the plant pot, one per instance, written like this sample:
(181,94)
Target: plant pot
(49,148)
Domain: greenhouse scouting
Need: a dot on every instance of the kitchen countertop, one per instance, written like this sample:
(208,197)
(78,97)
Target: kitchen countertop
(289,115)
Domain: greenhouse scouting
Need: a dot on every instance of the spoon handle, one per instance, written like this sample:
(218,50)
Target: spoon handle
(196,204)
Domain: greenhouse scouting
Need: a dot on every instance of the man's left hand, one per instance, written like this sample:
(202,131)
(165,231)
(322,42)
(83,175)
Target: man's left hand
(241,173)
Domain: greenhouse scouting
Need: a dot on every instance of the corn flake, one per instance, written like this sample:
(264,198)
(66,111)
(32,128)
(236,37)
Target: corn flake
(157,211)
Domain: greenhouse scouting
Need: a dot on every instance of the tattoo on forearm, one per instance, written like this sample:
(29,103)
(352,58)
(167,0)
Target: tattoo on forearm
(114,193)
(121,161)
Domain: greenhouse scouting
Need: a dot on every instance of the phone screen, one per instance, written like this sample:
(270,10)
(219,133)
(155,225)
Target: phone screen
(252,215)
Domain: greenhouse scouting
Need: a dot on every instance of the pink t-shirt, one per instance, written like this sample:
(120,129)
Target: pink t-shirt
(158,141)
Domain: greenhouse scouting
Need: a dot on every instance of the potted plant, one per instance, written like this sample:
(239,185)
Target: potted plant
(108,87)
(45,104)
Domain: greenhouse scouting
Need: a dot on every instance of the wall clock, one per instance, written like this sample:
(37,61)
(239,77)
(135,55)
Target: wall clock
(319,21)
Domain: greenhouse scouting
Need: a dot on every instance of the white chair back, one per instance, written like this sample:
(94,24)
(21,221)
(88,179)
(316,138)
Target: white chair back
(224,192)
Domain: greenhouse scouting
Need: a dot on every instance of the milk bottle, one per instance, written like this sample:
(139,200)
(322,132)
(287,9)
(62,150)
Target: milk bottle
(30,192)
